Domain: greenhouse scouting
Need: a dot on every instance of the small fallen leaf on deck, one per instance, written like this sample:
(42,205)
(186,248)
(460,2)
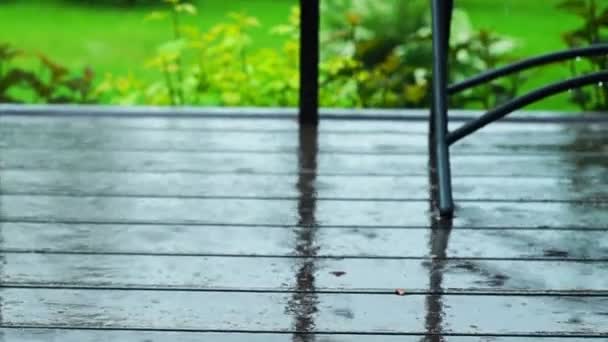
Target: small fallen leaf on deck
(338,273)
(400,292)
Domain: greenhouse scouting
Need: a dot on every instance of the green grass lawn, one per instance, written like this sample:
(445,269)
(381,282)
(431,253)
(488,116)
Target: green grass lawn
(117,40)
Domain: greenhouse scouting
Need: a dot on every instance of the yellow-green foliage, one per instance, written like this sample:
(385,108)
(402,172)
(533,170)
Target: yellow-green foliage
(361,66)
(219,67)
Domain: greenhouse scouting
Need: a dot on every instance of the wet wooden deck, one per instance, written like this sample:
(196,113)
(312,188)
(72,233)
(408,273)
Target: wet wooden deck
(247,229)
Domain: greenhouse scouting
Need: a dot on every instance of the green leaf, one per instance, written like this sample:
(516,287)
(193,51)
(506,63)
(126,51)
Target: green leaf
(186,8)
(578,7)
(603,18)
(57,71)
(231,98)
(156,15)
(22,77)
(575,38)
(461,26)
(282,30)
(173,47)
(7,52)
(414,93)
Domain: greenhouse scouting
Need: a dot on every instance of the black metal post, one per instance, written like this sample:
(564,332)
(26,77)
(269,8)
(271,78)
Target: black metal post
(442,13)
(309,62)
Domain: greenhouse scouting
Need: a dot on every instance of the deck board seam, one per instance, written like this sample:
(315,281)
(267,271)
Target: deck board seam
(420,153)
(270,173)
(561,334)
(202,225)
(572,293)
(311,257)
(293,198)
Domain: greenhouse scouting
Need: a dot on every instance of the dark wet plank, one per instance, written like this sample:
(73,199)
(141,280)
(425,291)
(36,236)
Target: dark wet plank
(159,172)
(57,122)
(579,166)
(205,141)
(264,186)
(277,274)
(277,312)
(571,139)
(271,124)
(286,212)
(48,335)
(279,241)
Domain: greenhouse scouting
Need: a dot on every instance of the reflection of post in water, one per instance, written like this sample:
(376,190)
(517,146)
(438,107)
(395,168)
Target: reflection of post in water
(438,245)
(2,263)
(440,234)
(587,172)
(303,304)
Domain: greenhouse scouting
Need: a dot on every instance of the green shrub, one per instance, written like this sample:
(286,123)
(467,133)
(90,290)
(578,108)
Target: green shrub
(390,43)
(50,83)
(371,58)
(592,31)
(215,67)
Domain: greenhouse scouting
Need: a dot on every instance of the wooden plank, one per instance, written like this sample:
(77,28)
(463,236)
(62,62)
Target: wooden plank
(364,276)
(63,335)
(259,124)
(286,212)
(353,242)
(586,166)
(368,266)
(317,312)
(146,184)
(150,161)
(566,140)
(200,124)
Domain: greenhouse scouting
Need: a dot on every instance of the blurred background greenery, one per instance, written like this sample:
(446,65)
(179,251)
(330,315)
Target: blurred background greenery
(115,41)
(112,36)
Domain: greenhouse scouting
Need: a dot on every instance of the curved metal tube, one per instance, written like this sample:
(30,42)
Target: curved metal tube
(592,50)
(517,103)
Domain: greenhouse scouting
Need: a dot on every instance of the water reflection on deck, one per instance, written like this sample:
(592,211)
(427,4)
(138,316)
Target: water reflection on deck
(255,229)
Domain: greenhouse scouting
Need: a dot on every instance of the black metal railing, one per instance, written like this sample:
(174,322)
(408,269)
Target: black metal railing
(440,138)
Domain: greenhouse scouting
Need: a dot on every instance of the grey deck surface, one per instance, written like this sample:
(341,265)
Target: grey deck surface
(247,229)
